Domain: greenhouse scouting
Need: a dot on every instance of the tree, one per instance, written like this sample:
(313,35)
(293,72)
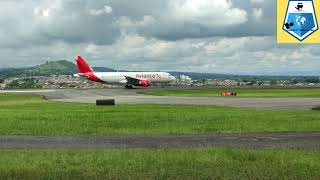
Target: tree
(203,82)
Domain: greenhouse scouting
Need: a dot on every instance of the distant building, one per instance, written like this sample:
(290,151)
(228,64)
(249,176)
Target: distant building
(3,86)
(184,78)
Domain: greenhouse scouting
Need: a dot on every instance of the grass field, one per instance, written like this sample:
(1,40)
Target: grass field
(160,164)
(22,114)
(243,92)
(30,115)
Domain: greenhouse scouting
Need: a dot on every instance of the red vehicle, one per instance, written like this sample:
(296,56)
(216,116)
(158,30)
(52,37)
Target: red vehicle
(228,94)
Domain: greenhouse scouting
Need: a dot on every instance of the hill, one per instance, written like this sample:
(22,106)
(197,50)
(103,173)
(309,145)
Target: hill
(10,72)
(103,69)
(62,67)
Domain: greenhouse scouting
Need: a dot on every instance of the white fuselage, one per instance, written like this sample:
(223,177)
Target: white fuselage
(120,77)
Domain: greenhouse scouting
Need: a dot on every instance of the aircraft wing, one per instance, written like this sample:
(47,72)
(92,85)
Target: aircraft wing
(137,82)
(131,80)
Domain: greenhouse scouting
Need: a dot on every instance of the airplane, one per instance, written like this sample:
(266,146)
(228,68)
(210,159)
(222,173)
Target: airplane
(129,79)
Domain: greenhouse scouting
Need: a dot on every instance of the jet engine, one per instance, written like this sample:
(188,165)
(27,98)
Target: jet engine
(144,83)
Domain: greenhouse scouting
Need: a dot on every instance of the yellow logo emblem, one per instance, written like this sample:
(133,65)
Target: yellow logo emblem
(297,21)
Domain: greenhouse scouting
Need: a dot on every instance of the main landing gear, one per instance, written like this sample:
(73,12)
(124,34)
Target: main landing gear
(128,86)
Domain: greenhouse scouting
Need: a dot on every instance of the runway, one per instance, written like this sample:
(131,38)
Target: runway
(136,96)
(306,140)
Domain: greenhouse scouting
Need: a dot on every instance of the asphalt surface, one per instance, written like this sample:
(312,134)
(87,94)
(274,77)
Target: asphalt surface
(306,140)
(136,96)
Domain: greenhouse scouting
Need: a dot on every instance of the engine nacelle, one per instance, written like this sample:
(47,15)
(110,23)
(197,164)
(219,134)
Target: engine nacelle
(144,83)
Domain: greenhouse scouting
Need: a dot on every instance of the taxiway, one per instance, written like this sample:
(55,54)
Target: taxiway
(288,140)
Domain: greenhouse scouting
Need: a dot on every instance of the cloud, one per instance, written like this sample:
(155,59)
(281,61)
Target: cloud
(257,1)
(222,36)
(183,19)
(195,19)
(98,12)
(257,14)
(101,22)
(59,20)
(42,12)
(207,12)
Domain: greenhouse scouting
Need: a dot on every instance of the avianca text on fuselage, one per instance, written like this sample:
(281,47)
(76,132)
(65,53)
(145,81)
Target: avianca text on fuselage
(148,76)
(130,79)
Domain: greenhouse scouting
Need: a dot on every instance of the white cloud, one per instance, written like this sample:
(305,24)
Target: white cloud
(91,49)
(207,12)
(257,1)
(98,12)
(257,14)
(42,12)
(47,8)
(217,55)
(126,23)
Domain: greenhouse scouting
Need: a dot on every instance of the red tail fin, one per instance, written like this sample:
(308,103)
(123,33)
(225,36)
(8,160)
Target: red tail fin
(83,67)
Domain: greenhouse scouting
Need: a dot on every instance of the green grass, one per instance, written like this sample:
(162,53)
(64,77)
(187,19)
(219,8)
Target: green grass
(30,115)
(160,164)
(243,92)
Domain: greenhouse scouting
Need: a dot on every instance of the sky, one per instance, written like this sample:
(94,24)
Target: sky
(217,36)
